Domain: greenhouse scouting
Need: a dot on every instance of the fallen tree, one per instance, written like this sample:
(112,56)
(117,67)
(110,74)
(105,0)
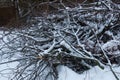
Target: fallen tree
(74,37)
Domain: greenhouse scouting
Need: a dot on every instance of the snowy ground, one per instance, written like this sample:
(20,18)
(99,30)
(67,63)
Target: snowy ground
(93,74)
(66,73)
(7,70)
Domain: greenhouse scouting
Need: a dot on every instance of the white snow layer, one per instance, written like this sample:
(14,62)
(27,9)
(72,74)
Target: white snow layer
(95,73)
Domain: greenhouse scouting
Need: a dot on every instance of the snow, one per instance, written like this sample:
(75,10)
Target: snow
(6,71)
(112,47)
(65,73)
(95,73)
(111,43)
(66,46)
